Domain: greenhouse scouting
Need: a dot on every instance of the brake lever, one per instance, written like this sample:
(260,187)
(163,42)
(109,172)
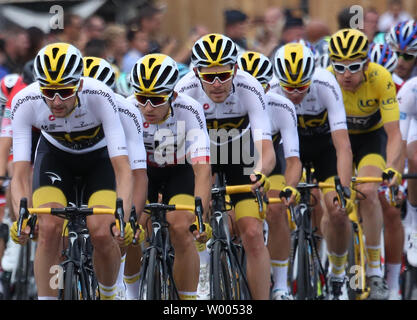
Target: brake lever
(23,214)
(119,215)
(133,223)
(340,192)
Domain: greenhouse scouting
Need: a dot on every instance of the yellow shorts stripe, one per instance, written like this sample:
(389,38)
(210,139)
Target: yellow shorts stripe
(248,208)
(277,182)
(372,159)
(182,199)
(105,198)
(48,194)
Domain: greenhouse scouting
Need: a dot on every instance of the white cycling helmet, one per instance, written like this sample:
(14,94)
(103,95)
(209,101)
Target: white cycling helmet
(154,74)
(214,50)
(58,64)
(99,69)
(257,65)
(383,55)
(294,64)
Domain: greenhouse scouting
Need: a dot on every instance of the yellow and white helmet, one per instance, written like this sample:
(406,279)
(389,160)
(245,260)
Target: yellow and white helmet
(154,74)
(294,64)
(348,44)
(99,69)
(257,65)
(58,64)
(214,49)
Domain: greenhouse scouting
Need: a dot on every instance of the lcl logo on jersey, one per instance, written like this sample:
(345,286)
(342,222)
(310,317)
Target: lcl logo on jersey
(362,104)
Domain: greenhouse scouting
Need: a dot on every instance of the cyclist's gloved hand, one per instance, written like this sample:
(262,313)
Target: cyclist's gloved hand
(261,180)
(349,196)
(291,192)
(128,238)
(204,236)
(24,235)
(392,176)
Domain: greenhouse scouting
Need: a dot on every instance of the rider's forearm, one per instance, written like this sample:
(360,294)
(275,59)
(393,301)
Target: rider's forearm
(344,165)
(293,171)
(5,144)
(395,155)
(268,160)
(202,185)
(20,184)
(140,189)
(124,182)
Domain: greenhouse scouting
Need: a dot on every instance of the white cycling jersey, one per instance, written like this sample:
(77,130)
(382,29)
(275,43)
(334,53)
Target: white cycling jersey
(322,109)
(92,125)
(183,133)
(244,108)
(407,100)
(132,123)
(283,118)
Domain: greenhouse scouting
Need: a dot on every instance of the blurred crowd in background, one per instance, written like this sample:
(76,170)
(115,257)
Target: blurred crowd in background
(124,44)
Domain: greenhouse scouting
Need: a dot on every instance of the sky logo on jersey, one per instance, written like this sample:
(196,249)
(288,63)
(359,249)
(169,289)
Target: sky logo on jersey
(53,176)
(403,115)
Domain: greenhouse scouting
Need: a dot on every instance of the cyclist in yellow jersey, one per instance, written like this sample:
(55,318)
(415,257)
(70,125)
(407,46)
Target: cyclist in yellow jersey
(372,112)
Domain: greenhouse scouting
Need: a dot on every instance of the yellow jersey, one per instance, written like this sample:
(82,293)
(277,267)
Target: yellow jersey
(374,103)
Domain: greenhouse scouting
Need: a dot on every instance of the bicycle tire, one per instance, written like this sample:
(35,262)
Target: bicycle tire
(22,273)
(71,283)
(302,268)
(221,277)
(153,276)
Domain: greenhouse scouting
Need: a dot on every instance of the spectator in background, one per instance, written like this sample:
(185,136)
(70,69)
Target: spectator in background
(293,30)
(149,21)
(315,30)
(139,46)
(116,43)
(236,27)
(183,56)
(16,48)
(370,23)
(72,32)
(394,15)
(94,27)
(268,36)
(95,48)
(36,42)
(344,18)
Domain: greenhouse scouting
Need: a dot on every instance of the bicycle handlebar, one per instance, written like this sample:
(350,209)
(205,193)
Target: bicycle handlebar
(24,213)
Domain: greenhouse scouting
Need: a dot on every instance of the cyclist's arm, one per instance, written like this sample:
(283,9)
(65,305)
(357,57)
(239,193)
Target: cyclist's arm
(341,143)
(202,184)
(20,184)
(140,189)
(124,182)
(292,171)
(5,145)
(267,160)
(395,155)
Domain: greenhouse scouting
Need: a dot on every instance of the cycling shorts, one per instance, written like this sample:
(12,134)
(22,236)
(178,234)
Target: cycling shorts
(369,148)
(171,181)
(55,172)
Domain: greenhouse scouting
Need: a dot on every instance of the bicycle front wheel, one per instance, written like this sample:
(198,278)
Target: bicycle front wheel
(153,276)
(221,277)
(72,283)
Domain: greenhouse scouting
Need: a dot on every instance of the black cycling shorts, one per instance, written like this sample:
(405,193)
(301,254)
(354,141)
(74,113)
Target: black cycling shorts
(56,168)
(364,144)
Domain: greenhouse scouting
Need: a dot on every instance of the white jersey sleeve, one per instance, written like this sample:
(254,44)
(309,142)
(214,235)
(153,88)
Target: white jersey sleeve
(190,116)
(283,118)
(331,97)
(407,100)
(102,103)
(131,120)
(23,115)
